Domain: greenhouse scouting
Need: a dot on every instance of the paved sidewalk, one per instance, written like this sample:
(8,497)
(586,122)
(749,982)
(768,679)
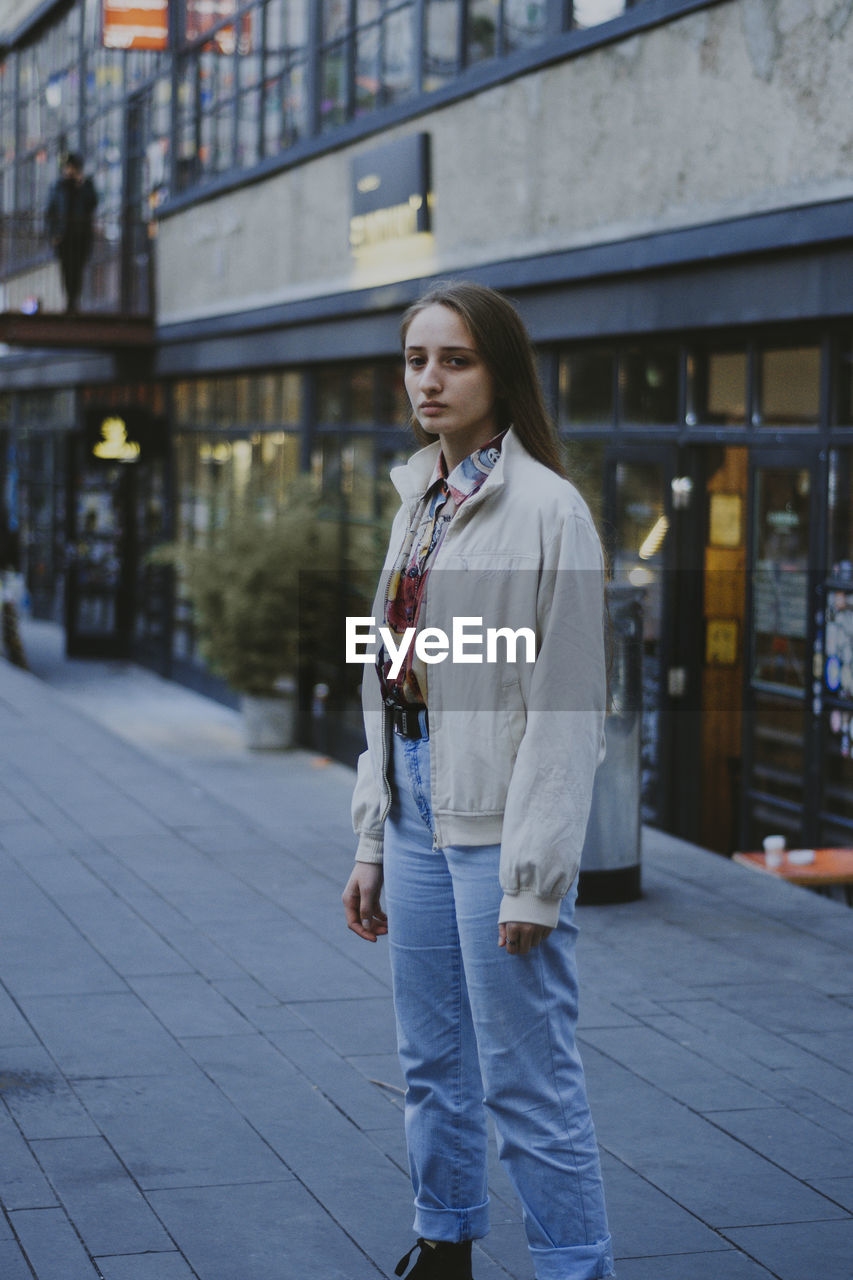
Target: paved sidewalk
(197,1059)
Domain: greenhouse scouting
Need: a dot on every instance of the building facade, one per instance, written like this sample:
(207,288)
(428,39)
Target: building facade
(664,188)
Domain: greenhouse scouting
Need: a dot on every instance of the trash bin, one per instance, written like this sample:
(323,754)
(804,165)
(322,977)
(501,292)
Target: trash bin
(610,864)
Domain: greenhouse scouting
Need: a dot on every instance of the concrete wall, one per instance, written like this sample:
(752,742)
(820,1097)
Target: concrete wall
(740,107)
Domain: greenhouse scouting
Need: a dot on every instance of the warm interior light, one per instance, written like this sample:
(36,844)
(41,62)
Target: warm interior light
(653,540)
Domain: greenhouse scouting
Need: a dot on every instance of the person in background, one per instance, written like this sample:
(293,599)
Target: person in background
(70,211)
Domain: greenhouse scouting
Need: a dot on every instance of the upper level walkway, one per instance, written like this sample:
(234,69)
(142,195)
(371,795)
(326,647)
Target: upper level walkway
(197,1064)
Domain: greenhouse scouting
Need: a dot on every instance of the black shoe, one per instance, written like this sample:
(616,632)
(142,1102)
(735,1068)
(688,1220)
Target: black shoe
(444,1261)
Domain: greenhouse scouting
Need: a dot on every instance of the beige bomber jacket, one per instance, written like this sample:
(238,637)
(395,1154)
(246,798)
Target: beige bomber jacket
(514,744)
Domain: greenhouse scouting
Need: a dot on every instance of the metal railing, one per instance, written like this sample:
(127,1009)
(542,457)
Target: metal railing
(118,273)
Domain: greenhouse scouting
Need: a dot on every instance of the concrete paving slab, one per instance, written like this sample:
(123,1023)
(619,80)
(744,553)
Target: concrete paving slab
(258,1006)
(805,1149)
(263,1232)
(22,1183)
(365,1104)
(14,1028)
(788,1007)
(684,1155)
(291,961)
(107,1208)
(674,1069)
(146,1266)
(41,952)
(833,1046)
(645,1222)
(39,1098)
(13,1262)
(824,1251)
(188,1005)
(311,1134)
(103,1035)
(838,1189)
(357,1026)
(179,1131)
(694,1266)
(52,1247)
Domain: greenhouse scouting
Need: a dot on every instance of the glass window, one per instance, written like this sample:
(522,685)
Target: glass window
(392,403)
(398,57)
(640,548)
(524,23)
(331,395)
(441,43)
(648,384)
(586,388)
(203,15)
(840,512)
(780,576)
(790,387)
(589,13)
(777,747)
(844,384)
(585,466)
(334,95)
(483,20)
(716,388)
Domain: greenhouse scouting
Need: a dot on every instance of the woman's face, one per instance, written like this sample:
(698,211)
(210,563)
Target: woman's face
(451,390)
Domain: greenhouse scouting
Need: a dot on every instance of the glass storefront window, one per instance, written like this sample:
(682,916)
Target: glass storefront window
(780,576)
(392,403)
(361,396)
(777,747)
(585,467)
(840,514)
(789,387)
(640,557)
(844,384)
(291,398)
(717,388)
(648,385)
(586,388)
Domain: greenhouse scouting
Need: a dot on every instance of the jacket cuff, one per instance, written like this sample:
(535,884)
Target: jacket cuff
(528,908)
(369,848)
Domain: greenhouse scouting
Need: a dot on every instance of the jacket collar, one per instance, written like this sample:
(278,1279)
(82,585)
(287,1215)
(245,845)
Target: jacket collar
(411,480)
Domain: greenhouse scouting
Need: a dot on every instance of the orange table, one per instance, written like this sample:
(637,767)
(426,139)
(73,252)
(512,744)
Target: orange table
(830,867)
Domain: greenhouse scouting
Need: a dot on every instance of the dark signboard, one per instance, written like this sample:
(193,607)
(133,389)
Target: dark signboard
(390,192)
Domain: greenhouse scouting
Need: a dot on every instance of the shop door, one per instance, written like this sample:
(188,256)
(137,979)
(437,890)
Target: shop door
(116,604)
(783,693)
(101,558)
(654,541)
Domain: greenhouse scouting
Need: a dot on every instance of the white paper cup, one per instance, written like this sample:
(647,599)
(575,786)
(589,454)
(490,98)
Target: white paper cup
(774,844)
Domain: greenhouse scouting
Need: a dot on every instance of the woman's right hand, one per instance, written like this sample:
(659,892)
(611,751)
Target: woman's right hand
(361,901)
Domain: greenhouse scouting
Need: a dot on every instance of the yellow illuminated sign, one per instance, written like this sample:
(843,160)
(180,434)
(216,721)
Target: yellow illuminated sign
(114,445)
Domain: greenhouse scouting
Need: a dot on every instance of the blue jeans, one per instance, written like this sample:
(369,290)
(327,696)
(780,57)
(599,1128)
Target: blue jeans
(480,1028)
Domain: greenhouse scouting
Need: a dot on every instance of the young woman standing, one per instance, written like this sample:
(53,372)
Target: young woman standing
(473,795)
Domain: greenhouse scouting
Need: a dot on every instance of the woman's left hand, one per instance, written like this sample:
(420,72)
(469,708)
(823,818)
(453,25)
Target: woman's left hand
(521,938)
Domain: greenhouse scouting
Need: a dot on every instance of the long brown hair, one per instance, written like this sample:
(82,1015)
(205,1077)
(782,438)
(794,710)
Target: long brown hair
(503,342)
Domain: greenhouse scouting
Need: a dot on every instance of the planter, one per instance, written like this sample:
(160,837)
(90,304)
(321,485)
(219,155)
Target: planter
(269,723)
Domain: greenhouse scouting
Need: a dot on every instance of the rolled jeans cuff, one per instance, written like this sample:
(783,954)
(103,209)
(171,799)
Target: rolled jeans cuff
(580,1262)
(452,1225)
